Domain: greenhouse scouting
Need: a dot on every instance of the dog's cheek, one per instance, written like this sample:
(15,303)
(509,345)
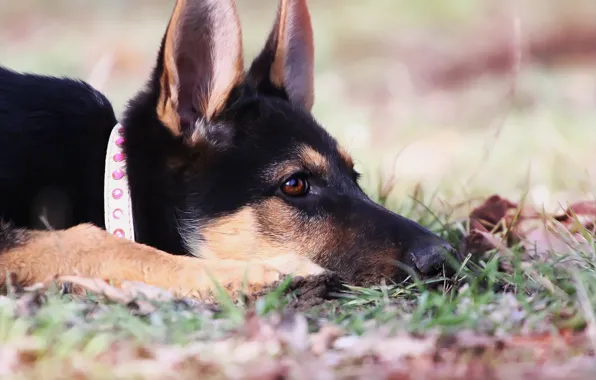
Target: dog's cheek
(282,225)
(231,237)
(357,259)
(272,229)
(241,236)
(316,238)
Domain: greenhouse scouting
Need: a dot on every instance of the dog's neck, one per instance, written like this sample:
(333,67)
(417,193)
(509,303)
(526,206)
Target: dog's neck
(118,214)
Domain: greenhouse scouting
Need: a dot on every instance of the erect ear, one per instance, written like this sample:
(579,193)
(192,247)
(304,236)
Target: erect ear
(202,62)
(287,61)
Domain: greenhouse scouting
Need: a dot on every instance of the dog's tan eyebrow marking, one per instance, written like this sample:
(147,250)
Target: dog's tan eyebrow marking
(281,170)
(345,156)
(305,158)
(313,160)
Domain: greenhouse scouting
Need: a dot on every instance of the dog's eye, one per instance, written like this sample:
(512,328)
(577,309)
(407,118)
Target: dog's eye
(295,186)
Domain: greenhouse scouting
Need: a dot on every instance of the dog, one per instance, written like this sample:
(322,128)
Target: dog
(215,174)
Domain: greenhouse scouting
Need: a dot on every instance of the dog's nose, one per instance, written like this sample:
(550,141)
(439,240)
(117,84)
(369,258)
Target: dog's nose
(430,257)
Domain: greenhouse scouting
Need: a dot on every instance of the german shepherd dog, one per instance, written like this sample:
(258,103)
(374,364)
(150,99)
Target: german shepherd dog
(229,175)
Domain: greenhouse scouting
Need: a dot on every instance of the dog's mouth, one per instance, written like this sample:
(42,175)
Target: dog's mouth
(430,262)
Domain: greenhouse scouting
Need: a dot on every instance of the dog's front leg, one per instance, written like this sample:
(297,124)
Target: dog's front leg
(88,251)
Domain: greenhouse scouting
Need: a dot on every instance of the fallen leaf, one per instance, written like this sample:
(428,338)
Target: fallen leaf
(324,339)
(499,224)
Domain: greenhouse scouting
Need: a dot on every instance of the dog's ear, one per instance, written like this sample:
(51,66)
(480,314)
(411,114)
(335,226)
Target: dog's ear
(202,63)
(287,61)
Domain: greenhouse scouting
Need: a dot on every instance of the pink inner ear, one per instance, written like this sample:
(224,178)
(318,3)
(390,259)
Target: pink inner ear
(203,61)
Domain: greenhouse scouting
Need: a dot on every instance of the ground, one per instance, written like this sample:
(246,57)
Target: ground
(442,104)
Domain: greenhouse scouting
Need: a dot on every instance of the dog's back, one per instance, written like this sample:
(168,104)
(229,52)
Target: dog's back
(53,137)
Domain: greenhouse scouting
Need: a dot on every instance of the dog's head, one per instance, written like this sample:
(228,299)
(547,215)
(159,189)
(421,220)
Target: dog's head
(244,165)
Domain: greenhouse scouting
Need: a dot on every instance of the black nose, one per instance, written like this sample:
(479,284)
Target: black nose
(429,257)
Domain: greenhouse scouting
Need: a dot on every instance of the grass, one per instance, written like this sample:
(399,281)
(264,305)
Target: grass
(47,327)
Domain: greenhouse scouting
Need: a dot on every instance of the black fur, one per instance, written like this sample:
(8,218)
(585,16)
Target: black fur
(263,128)
(12,237)
(53,139)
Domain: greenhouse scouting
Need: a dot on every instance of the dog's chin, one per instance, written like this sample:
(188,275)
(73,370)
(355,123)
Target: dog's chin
(401,277)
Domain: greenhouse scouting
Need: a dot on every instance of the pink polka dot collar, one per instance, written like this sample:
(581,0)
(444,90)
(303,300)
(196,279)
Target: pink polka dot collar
(117,204)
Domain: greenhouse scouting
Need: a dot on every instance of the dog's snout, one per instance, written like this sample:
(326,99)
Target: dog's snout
(430,257)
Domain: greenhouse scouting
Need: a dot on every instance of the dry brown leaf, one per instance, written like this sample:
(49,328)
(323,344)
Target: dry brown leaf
(500,223)
(261,351)
(324,339)
(582,213)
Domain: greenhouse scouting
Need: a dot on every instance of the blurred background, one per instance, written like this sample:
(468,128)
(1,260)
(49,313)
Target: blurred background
(454,100)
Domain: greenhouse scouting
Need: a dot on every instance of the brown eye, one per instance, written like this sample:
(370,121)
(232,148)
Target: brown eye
(295,187)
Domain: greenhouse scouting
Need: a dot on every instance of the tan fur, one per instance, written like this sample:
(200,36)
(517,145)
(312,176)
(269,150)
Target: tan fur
(321,241)
(263,232)
(305,159)
(226,67)
(271,229)
(167,110)
(240,236)
(88,251)
(294,34)
(232,237)
(313,160)
(277,75)
(345,156)
(228,54)
(287,228)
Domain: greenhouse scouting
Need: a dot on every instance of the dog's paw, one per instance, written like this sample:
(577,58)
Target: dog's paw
(262,276)
(233,276)
(295,265)
(308,291)
(201,280)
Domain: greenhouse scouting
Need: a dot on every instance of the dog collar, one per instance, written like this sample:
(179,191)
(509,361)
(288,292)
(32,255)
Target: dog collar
(117,204)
